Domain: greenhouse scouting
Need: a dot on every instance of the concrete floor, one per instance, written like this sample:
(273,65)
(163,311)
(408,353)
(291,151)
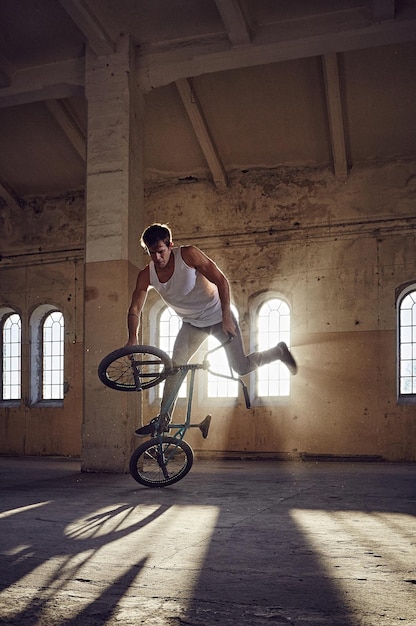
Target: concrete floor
(236,542)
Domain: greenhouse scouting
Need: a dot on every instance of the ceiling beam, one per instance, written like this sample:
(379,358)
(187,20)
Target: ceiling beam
(335,115)
(202,131)
(99,40)
(68,123)
(234,21)
(45,82)
(9,196)
(158,67)
(161,67)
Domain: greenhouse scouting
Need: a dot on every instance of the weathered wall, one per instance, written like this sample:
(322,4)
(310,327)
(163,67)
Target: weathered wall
(42,262)
(336,251)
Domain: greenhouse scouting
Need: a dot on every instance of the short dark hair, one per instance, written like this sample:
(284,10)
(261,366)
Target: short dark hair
(155,233)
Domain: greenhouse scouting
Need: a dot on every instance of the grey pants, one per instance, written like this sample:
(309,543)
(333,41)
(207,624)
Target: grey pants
(189,340)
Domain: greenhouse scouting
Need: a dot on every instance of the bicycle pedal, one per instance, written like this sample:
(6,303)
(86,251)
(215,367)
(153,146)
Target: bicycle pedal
(204,426)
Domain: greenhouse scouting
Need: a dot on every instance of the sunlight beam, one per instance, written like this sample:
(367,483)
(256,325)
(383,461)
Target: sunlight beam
(22,509)
(363,555)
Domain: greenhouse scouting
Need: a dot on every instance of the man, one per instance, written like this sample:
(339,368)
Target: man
(198,291)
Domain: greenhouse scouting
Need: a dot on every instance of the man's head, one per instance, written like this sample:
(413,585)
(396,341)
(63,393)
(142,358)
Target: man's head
(157,241)
(154,234)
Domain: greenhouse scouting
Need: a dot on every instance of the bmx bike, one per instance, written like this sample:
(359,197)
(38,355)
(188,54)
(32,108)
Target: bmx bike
(166,457)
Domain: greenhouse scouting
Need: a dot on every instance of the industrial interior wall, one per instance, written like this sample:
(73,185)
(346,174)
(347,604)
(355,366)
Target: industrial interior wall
(336,251)
(42,270)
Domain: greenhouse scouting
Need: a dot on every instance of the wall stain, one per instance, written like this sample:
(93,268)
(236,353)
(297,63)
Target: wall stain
(91,293)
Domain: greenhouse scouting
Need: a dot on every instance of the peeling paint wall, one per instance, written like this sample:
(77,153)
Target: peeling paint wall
(42,263)
(336,251)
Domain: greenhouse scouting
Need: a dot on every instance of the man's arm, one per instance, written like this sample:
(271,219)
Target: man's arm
(137,303)
(194,257)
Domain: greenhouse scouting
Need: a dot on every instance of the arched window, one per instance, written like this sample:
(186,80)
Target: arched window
(47,355)
(407,344)
(169,325)
(53,356)
(272,326)
(11,361)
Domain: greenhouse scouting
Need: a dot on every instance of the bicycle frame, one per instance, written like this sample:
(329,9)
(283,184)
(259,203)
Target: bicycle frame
(163,459)
(183,371)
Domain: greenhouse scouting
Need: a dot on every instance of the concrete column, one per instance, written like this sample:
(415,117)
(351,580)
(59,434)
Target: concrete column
(114,209)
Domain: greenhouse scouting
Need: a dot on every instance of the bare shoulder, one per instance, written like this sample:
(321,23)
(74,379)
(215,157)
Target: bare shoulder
(143,279)
(193,256)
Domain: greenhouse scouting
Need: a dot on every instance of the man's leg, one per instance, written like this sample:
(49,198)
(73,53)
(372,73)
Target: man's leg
(187,342)
(243,363)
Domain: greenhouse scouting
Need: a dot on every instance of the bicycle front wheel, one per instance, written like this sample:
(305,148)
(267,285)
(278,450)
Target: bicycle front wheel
(134,368)
(161,461)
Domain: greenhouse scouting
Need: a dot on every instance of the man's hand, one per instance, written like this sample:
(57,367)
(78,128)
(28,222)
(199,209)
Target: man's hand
(229,326)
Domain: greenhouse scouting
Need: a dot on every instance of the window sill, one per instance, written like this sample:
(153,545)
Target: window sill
(410,399)
(48,404)
(12,404)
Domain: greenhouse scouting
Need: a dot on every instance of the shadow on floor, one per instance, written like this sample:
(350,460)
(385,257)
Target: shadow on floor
(237,542)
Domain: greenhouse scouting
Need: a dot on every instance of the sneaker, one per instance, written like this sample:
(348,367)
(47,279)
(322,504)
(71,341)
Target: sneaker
(287,358)
(149,429)
(157,424)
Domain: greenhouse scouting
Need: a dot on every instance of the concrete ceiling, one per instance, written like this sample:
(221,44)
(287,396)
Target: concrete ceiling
(230,84)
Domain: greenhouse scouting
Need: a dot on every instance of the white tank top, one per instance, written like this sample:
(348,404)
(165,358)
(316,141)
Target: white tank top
(192,296)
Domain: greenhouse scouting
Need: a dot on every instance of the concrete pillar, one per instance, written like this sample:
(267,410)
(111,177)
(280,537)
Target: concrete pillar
(114,209)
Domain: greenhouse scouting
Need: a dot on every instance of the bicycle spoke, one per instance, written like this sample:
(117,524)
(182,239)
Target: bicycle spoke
(134,368)
(162,461)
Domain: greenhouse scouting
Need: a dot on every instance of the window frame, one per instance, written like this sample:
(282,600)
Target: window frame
(183,391)
(255,306)
(203,397)
(5,314)
(37,320)
(48,339)
(155,314)
(402,293)
(200,389)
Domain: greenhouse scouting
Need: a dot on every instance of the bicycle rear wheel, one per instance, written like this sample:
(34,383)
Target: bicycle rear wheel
(161,461)
(134,368)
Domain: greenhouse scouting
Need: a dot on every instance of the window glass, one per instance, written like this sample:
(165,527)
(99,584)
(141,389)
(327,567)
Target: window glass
(407,345)
(272,326)
(53,357)
(11,358)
